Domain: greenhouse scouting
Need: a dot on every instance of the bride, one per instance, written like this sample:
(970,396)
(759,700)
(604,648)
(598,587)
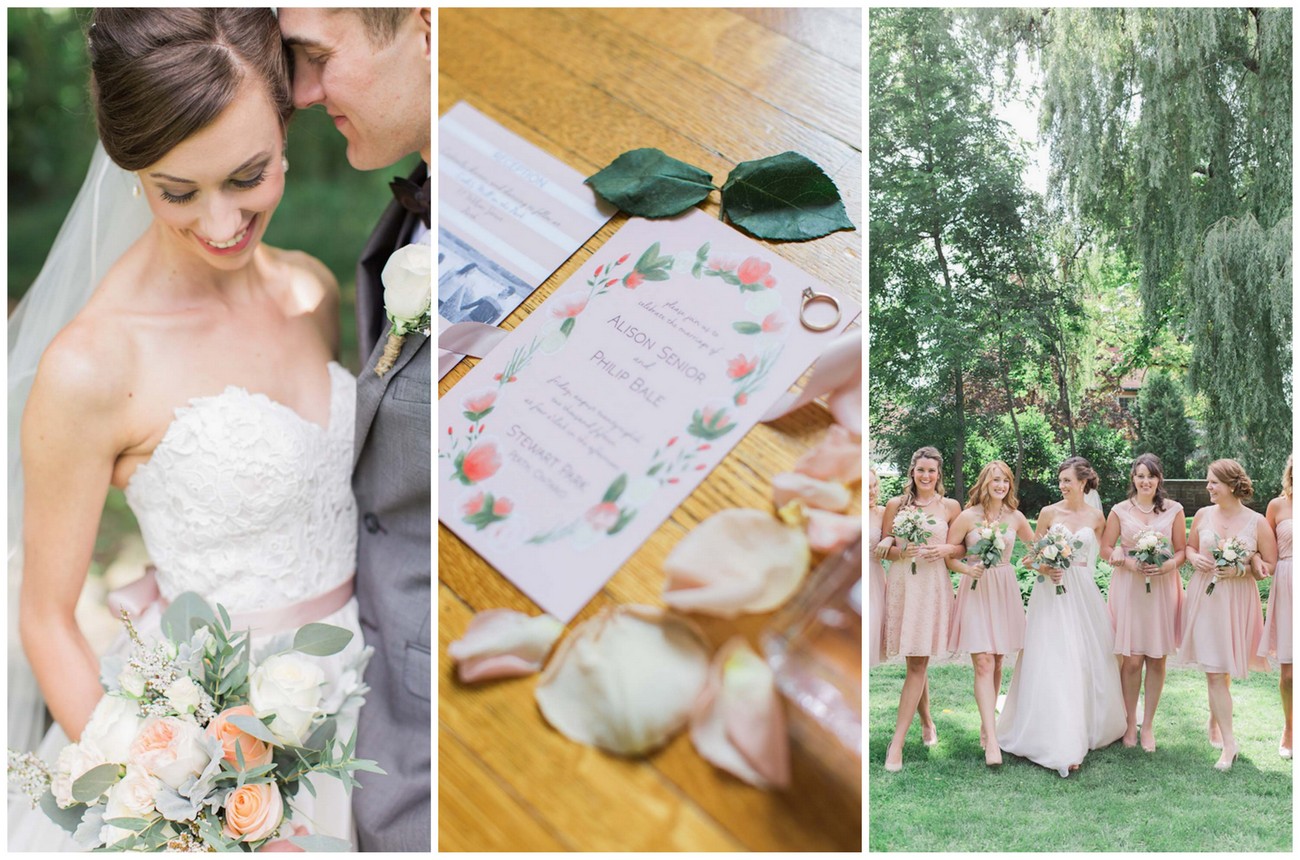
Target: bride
(197,377)
(1065,696)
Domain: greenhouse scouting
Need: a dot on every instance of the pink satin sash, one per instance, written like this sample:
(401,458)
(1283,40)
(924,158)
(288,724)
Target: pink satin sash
(143,593)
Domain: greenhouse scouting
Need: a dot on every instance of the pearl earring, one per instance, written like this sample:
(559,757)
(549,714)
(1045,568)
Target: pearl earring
(284,164)
(135,189)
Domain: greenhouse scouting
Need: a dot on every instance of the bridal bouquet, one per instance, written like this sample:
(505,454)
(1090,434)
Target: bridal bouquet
(990,546)
(1056,549)
(913,526)
(197,744)
(1151,547)
(1228,553)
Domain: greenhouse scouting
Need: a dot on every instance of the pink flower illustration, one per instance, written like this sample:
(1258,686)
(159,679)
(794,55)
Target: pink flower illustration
(775,321)
(599,269)
(481,462)
(501,507)
(719,265)
(570,306)
(603,516)
(611,282)
(769,282)
(622,259)
(670,442)
(741,365)
(480,401)
(754,271)
(633,280)
(742,398)
(474,505)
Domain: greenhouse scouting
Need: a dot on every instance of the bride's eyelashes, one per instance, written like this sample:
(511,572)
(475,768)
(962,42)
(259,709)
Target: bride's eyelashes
(241,184)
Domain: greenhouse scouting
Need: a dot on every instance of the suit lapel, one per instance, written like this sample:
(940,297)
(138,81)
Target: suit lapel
(394,228)
(371,389)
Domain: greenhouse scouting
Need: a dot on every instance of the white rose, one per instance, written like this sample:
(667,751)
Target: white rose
(408,283)
(133,795)
(1229,555)
(113,726)
(183,695)
(132,683)
(1050,551)
(170,748)
(288,686)
(73,761)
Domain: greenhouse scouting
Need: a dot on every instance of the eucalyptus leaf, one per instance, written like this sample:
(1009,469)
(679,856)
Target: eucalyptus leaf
(69,819)
(317,842)
(650,184)
(785,197)
(321,735)
(254,727)
(127,823)
(321,640)
(92,784)
(187,613)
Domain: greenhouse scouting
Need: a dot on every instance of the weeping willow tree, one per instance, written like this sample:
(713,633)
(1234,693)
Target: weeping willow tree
(1170,130)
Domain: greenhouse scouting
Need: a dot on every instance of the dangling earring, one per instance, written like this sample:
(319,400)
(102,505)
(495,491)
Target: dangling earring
(284,164)
(135,189)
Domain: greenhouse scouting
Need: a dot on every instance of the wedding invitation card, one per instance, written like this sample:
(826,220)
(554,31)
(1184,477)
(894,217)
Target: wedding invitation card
(564,449)
(509,215)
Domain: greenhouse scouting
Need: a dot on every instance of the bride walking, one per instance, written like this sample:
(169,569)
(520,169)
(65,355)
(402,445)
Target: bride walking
(1065,696)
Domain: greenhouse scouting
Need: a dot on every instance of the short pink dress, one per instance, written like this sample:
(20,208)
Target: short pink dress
(1222,631)
(876,600)
(989,619)
(920,604)
(1146,624)
(1277,624)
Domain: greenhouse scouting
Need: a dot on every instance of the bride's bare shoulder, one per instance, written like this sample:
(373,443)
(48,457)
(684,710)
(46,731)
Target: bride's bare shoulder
(88,366)
(303,284)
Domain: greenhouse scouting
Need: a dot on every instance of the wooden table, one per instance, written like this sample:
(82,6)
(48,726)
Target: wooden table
(712,87)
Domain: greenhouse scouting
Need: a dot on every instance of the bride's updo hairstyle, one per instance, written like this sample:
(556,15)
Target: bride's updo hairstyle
(160,75)
(1083,472)
(909,489)
(981,495)
(1152,462)
(1234,477)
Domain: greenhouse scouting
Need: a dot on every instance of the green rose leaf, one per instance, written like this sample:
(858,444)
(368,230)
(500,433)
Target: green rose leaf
(786,197)
(648,183)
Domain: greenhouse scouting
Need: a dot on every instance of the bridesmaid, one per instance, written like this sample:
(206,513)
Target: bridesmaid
(1147,625)
(919,604)
(1222,631)
(876,628)
(989,621)
(1277,624)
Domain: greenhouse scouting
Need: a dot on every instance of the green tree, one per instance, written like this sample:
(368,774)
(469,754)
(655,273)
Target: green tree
(1163,426)
(1110,455)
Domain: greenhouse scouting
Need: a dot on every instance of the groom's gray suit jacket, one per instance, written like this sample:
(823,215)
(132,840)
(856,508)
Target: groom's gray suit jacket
(391,480)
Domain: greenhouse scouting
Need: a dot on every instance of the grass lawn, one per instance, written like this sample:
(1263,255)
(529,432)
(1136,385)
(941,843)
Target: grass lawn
(945,799)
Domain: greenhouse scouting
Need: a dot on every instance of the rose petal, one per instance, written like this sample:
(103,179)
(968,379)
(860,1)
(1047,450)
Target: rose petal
(738,560)
(827,495)
(829,532)
(502,643)
(625,680)
(738,723)
(838,457)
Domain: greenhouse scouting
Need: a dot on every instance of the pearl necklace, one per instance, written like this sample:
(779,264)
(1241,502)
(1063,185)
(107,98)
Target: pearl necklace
(1147,511)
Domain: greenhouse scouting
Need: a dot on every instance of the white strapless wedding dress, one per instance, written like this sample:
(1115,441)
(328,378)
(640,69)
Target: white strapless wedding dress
(250,505)
(1065,696)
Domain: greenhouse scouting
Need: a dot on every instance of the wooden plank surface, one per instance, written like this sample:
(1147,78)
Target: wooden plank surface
(713,87)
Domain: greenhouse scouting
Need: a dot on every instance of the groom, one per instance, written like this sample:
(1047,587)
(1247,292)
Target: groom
(371,71)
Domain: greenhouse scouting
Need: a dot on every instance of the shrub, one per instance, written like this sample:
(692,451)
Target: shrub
(1108,452)
(1042,454)
(1163,426)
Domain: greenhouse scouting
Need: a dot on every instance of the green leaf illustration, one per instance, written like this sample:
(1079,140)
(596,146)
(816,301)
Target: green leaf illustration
(566,327)
(624,517)
(615,489)
(747,327)
(648,183)
(784,196)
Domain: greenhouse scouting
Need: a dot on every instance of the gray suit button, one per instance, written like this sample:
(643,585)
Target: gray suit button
(371,522)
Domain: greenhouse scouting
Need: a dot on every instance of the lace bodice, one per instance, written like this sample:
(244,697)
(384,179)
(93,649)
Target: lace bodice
(249,504)
(1085,557)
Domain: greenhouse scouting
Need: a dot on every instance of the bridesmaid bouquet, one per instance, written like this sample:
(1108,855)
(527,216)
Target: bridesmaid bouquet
(990,546)
(1228,553)
(197,746)
(1056,549)
(913,526)
(1151,547)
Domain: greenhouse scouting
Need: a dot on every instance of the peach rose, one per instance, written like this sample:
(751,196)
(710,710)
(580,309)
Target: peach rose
(480,402)
(754,271)
(170,748)
(741,365)
(632,280)
(253,812)
(256,752)
(481,462)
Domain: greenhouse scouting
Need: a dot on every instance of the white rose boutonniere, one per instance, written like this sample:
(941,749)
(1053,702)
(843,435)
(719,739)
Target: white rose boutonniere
(408,297)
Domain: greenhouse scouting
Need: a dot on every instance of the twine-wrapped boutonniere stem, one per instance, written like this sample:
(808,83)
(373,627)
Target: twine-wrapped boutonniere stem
(408,298)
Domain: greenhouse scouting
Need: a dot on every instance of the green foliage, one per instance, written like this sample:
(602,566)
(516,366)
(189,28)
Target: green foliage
(650,184)
(784,197)
(1165,429)
(1042,454)
(1111,457)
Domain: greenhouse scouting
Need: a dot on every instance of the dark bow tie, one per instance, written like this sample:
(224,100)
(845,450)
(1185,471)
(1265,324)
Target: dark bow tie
(414,198)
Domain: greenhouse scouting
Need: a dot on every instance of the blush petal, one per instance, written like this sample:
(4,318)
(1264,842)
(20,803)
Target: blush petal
(826,495)
(503,643)
(830,532)
(838,457)
(738,723)
(738,560)
(625,680)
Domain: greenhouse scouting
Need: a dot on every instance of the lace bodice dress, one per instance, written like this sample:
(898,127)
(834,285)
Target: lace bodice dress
(249,505)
